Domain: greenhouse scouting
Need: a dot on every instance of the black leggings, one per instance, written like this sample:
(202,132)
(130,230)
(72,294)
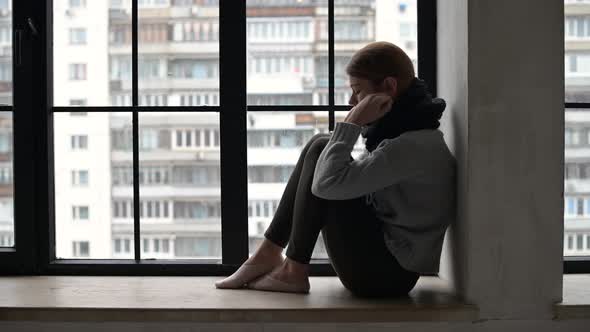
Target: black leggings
(352,233)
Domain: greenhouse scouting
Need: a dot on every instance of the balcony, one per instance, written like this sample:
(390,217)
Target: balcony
(576,7)
(187,192)
(190,84)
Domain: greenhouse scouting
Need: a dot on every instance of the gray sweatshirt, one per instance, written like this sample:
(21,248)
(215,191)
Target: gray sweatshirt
(409,181)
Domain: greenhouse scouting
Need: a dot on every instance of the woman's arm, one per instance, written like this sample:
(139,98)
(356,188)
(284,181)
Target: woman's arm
(336,177)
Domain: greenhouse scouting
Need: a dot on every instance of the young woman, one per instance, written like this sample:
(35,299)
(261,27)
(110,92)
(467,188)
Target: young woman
(382,216)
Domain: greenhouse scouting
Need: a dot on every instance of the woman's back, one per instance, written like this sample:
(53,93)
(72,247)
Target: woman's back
(417,210)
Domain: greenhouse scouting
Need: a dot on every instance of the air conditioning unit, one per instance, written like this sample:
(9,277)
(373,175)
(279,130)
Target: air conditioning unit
(195,11)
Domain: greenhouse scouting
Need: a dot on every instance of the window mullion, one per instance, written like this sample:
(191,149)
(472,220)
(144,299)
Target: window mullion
(135,120)
(331,102)
(234,185)
(427,43)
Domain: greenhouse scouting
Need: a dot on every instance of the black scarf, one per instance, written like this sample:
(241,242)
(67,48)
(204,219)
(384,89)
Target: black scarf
(415,109)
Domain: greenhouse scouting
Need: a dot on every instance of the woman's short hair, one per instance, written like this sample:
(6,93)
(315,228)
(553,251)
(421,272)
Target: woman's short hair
(380,59)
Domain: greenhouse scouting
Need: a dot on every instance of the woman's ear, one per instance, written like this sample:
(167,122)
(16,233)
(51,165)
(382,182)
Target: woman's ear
(390,86)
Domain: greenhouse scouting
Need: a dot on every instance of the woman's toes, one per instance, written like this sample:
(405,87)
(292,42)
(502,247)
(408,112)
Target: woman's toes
(245,274)
(228,282)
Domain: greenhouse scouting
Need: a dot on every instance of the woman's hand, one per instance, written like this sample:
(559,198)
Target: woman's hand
(369,109)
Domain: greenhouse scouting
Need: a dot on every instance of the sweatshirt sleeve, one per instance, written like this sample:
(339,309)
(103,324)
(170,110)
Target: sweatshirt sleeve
(336,177)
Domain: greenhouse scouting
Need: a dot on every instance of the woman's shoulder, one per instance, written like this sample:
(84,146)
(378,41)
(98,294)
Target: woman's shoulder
(419,137)
(428,143)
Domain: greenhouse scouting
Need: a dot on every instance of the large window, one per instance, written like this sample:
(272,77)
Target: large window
(175,125)
(576,244)
(7,227)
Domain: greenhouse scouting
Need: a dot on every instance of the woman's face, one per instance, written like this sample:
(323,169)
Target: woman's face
(360,88)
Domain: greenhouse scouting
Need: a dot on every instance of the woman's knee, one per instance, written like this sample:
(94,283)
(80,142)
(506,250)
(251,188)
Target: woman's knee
(317,146)
(312,140)
(318,135)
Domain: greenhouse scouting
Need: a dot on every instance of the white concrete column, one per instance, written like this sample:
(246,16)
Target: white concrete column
(500,69)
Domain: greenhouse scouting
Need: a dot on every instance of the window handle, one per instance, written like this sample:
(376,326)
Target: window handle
(32,26)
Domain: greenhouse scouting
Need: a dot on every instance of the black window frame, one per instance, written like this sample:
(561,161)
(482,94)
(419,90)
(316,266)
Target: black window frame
(34,252)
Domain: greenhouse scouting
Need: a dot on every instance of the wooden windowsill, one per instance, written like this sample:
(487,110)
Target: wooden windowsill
(81,298)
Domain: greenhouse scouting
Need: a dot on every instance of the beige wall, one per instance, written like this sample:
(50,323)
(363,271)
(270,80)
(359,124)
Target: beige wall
(501,70)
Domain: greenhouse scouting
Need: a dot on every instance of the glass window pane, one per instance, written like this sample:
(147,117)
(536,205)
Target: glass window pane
(357,25)
(6,150)
(577,51)
(91,64)
(100,210)
(183,203)
(6,181)
(275,141)
(576,199)
(6,53)
(284,52)
(178,53)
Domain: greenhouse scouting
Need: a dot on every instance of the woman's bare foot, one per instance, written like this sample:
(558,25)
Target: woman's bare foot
(265,259)
(290,277)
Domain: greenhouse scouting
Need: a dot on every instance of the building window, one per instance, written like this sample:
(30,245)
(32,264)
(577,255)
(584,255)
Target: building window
(79,142)
(6,174)
(165,246)
(186,246)
(122,208)
(78,102)
(121,139)
(148,139)
(6,241)
(6,72)
(80,178)
(194,31)
(77,71)
(152,3)
(194,69)
(153,33)
(81,249)
(569,136)
(117,246)
(77,3)
(570,204)
(77,36)
(5,34)
(146,245)
(572,171)
(120,34)
(196,210)
(80,212)
(403,7)
(150,69)
(577,27)
(207,137)
(269,174)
